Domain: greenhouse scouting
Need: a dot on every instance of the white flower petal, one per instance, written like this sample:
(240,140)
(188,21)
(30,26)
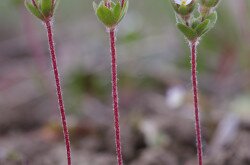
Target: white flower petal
(178,1)
(183,2)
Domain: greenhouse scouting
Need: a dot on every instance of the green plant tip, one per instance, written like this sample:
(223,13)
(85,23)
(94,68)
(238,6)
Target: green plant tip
(42,9)
(110,15)
(183,7)
(209,3)
(198,28)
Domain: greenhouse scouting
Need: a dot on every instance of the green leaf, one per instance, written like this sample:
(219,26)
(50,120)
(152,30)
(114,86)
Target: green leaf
(105,15)
(33,10)
(202,27)
(195,23)
(46,7)
(188,32)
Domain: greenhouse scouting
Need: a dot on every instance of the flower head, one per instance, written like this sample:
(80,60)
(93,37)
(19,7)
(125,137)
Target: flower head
(207,7)
(209,3)
(110,13)
(183,7)
(42,9)
(183,2)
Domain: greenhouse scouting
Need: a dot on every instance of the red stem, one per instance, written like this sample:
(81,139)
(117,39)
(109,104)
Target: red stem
(58,88)
(193,46)
(115,95)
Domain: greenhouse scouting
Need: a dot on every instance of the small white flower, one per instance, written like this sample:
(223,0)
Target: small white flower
(183,2)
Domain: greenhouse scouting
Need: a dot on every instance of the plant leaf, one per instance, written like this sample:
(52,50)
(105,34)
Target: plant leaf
(195,23)
(188,32)
(202,27)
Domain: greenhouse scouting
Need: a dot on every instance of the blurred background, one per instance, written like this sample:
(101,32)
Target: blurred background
(154,85)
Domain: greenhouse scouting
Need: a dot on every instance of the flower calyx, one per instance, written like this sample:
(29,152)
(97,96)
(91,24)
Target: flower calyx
(42,9)
(183,8)
(110,13)
(206,7)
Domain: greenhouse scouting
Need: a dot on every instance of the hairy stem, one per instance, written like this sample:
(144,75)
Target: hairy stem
(193,46)
(115,95)
(58,88)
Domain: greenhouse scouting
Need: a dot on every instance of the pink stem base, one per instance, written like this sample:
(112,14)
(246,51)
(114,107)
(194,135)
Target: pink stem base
(115,96)
(193,46)
(58,88)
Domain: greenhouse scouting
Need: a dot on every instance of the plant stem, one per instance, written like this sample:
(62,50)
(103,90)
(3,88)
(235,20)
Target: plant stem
(115,95)
(58,88)
(193,46)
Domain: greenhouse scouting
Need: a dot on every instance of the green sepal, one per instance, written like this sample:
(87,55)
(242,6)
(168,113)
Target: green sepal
(188,32)
(202,27)
(33,10)
(42,9)
(209,3)
(47,7)
(110,17)
(183,10)
(105,15)
(116,10)
(124,10)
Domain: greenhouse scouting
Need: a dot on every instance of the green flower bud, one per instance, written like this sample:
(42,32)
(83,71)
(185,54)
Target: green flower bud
(110,15)
(42,9)
(198,28)
(207,7)
(183,7)
(209,3)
